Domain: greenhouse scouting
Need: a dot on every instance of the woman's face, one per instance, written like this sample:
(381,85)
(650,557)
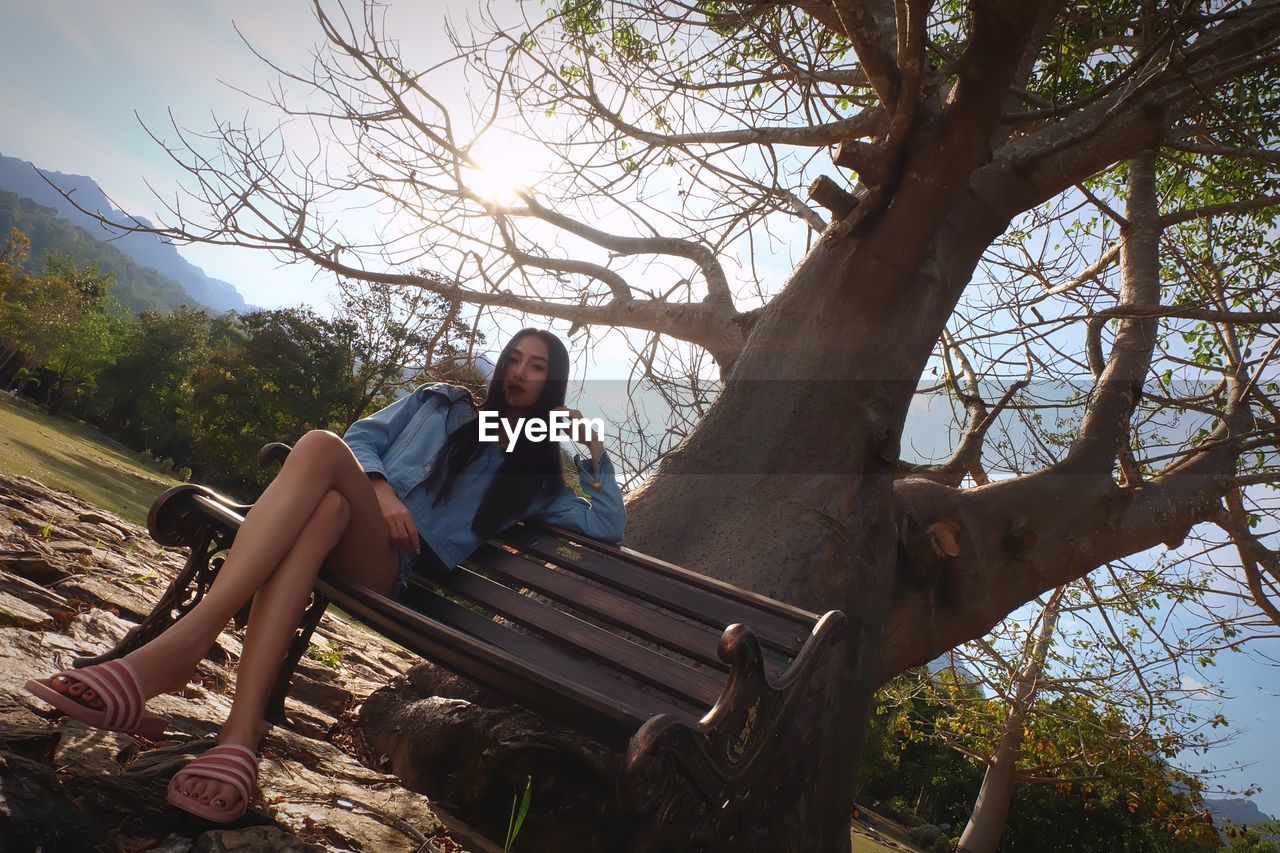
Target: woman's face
(526,372)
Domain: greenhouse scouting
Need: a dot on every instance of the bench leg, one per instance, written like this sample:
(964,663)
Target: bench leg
(712,786)
(186,590)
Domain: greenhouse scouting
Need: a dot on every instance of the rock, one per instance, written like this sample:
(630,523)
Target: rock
(16,612)
(109,526)
(31,593)
(40,565)
(258,839)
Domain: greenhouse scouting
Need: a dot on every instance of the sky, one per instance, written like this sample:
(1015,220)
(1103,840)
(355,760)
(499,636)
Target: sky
(79,71)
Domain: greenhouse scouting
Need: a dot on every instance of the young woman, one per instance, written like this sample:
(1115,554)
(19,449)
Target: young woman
(412,482)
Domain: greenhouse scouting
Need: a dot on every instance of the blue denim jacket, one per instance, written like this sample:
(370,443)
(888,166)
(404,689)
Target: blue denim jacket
(401,443)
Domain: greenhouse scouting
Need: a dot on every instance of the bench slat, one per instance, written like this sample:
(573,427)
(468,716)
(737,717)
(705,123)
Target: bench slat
(689,639)
(798,615)
(674,676)
(524,649)
(599,714)
(713,608)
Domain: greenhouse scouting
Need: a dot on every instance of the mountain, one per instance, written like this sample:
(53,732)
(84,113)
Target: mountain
(1241,812)
(20,177)
(137,288)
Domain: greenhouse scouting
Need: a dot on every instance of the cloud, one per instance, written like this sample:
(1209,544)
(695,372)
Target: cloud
(1197,688)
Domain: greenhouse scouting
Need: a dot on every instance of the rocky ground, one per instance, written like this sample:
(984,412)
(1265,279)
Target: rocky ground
(73,580)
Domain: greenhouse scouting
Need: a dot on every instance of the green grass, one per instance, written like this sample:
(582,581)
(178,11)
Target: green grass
(863,844)
(74,457)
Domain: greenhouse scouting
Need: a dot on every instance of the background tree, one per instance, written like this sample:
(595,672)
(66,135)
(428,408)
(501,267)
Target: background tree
(49,314)
(915,778)
(88,346)
(287,371)
(14,285)
(144,388)
(1264,838)
(402,338)
(679,139)
(1081,693)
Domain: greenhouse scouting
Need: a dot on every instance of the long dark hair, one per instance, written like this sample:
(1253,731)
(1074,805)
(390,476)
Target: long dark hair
(531,472)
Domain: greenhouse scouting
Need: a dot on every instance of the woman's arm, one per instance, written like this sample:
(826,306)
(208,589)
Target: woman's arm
(602,516)
(370,437)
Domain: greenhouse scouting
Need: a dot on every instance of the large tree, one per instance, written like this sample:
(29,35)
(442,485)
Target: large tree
(676,142)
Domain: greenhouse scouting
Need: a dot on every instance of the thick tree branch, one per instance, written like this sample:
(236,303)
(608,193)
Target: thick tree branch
(1029,534)
(1259,155)
(1037,167)
(1233,519)
(869,24)
(811,136)
(1105,427)
(712,272)
(1208,211)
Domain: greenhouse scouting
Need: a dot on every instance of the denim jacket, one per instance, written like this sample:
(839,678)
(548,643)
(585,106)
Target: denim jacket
(401,443)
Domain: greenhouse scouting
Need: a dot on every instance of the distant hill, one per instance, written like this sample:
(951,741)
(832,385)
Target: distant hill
(136,287)
(1241,812)
(20,177)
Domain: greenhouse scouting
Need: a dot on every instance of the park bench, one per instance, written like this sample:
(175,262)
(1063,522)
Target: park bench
(692,678)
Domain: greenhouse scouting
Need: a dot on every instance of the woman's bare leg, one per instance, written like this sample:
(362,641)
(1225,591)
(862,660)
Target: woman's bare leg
(277,610)
(348,536)
(319,464)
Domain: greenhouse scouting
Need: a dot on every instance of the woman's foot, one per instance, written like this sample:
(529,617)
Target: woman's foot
(218,785)
(154,674)
(225,790)
(107,695)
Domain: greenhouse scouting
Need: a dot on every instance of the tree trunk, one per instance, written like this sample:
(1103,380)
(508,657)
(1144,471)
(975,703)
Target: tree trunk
(991,809)
(805,434)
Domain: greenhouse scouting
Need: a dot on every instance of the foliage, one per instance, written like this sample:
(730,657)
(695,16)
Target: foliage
(144,389)
(911,774)
(205,393)
(284,372)
(60,327)
(326,655)
(1255,838)
(402,338)
(516,821)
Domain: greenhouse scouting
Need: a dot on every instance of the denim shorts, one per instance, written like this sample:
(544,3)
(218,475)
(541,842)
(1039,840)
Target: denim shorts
(425,559)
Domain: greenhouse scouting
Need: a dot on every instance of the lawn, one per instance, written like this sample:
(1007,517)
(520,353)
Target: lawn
(74,457)
(888,835)
(863,844)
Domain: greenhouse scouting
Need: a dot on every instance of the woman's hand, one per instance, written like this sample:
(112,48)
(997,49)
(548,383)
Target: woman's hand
(595,445)
(400,528)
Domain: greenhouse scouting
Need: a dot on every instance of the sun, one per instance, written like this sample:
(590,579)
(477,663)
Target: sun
(501,169)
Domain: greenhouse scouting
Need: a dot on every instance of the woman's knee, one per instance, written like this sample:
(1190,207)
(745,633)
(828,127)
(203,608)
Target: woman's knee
(318,447)
(333,511)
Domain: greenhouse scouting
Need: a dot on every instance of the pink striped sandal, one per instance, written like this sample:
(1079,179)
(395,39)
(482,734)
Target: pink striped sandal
(231,763)
(116,683)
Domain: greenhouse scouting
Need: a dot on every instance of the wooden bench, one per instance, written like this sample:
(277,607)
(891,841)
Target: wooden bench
(690,677)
